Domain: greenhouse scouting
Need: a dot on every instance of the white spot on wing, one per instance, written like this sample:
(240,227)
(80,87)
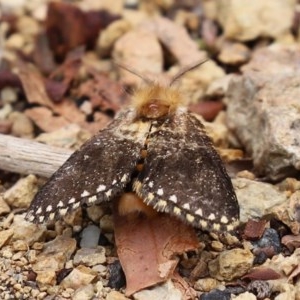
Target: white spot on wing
(224,220)
(173,198)
(41,218)
(124,178)
(76,205)
(63,211)
(199,212)
(230,227)
(31,218)
(177,211)
(160,192)
(60,204)
(39,210)
(92,199)
(150,184)
(108,193)
(51,216)
(101,188)
(216,226)
(49,208)
(72,200)
(203,223)
(149,198)
(160,205)
(190,218)
(186,206)
(85,194)
(211,216)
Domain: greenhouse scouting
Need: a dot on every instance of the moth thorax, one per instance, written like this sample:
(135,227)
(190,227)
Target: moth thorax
(154,109)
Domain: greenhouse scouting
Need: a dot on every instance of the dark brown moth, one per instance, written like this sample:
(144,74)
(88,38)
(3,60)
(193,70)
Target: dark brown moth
(181,173)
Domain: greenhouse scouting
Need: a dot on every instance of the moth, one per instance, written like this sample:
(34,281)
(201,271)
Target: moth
(154,148)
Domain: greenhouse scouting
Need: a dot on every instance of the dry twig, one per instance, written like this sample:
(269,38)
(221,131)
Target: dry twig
(30,157)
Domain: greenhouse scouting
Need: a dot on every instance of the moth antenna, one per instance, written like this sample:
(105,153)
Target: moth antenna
(187,69)
(136,73)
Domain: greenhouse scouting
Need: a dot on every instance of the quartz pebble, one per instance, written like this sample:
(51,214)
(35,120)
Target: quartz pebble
(90,237)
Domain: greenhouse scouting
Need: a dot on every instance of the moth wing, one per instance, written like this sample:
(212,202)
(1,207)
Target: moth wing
(184,175)
(97,172)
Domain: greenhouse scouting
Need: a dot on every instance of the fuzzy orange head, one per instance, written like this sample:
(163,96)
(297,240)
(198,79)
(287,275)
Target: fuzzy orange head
(156,101)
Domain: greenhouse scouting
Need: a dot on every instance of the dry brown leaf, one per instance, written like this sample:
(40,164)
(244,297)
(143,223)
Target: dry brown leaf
(103,92)
(291,241)
(262,273)
(207,109)
(68,27)
(61,78)
(147,248)
(68,109)
(7,78)
(33,85)
(186,291)
(254,229)
(44,119)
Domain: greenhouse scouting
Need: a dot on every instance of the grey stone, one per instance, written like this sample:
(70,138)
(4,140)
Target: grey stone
(90,237)
(165,291)
(27,231)
(53,258)
(89,256)
(5,236)
(84,293)
(263,110)
(256,199)
(4,208)
(255,18)
(79,277)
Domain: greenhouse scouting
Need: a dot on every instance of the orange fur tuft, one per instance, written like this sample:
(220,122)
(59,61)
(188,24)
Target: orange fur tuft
(155,101)
(131,203)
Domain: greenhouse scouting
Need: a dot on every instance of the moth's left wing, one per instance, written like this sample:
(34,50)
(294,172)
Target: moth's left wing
(97,172)
(184,175)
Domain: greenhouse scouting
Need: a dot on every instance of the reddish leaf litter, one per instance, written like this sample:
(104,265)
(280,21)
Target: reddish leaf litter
(59,84)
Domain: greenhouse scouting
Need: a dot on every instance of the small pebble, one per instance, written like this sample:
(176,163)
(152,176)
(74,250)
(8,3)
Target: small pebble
(90,237)
(206,284)
(117,277)
(269,243)
(99,269)
(260,288)
(5,111)
(217,246)
(260,258)
(216,295)
(8,95)
(7,253)
(106,223)
(90,256)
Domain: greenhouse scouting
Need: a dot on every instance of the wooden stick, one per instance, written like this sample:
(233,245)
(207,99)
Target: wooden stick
(29,157)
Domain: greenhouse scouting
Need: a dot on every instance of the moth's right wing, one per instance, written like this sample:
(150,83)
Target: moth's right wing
(184,176)
(97,172)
